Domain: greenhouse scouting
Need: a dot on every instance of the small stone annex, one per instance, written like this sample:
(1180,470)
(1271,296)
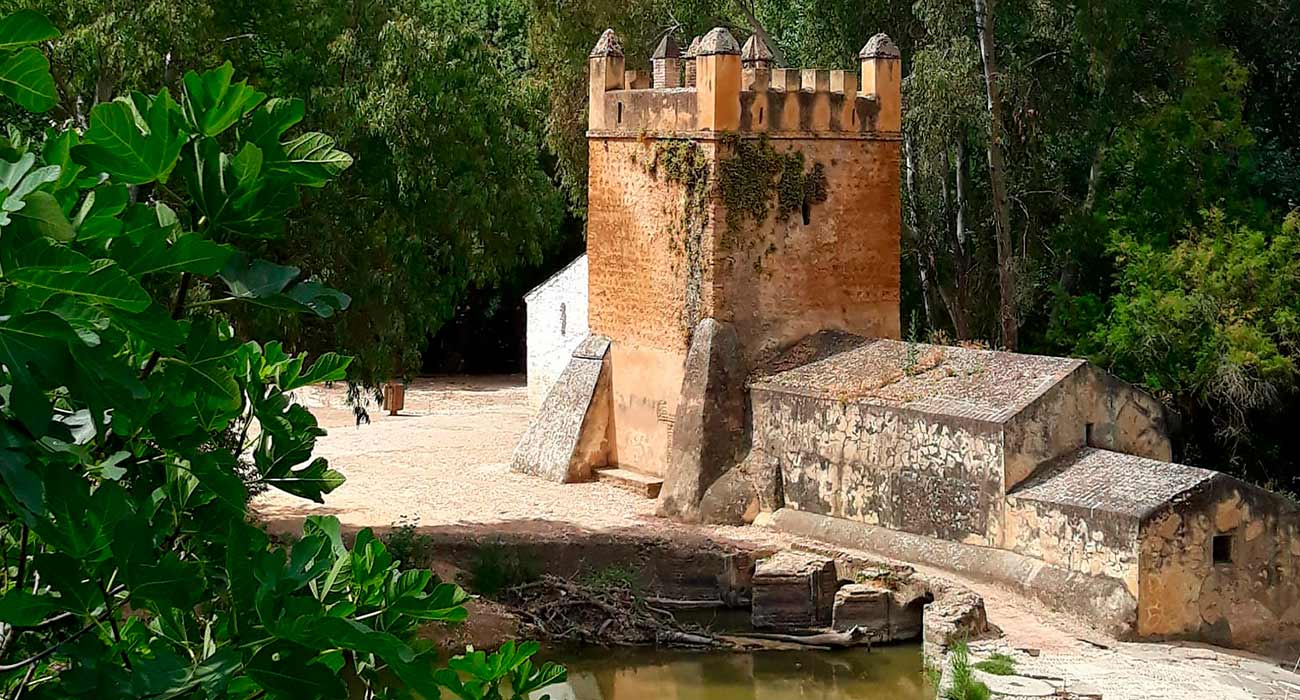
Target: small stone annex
(744,364)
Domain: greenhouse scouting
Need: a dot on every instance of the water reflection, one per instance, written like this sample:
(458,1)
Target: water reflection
(889,673)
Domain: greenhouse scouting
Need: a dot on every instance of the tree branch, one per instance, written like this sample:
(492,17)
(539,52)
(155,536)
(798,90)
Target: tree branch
(41,655)
(178,306)
(778,56)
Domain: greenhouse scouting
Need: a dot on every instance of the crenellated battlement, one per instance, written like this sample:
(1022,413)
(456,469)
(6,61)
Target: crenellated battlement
(716,86)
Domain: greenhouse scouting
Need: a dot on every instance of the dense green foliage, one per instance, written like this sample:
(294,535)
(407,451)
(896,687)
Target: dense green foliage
(1128,129)
(133,421)
(448,194)
(1152,164)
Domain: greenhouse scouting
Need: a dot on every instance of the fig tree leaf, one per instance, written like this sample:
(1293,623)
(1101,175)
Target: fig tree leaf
(25,78)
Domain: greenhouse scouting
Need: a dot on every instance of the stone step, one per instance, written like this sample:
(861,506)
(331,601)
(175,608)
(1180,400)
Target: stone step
(636,482)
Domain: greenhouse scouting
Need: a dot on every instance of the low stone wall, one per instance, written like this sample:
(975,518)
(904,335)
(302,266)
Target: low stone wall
(1105,602)
(1089,542)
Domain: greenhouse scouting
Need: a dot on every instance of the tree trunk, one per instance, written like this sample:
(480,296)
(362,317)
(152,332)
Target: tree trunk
(914,228)
(961,267)
(997,177)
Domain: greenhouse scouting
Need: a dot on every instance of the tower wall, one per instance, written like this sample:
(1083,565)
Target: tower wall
(665,252)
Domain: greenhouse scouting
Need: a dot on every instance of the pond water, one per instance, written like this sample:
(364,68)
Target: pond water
(884,673)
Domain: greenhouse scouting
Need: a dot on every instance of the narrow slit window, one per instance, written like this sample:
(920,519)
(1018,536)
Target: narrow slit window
(1087,435)
(760,115)
(807,213)
(1222,545)
(620,113)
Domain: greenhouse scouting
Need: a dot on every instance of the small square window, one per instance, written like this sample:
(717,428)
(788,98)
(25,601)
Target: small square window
(1222,546)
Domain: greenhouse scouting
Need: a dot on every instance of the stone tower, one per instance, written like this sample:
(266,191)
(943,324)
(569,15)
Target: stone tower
(764,198)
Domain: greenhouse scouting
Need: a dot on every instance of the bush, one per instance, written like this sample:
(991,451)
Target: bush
(132,567)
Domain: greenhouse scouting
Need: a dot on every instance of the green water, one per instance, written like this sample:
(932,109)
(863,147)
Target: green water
(884,673)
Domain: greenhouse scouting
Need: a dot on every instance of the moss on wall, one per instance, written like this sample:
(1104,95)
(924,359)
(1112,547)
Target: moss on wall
(755,170)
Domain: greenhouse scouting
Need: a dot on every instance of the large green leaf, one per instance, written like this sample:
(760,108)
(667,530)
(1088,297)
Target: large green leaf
(57,151)
(267,284)
(134,147)
(189,253)
(24,28)
(247,277)
(212,104)
(100,213)
(204,370)
(34,342)
(29,250)
(22,609)
(22,484)
(233,193)
(311,159)
(330,367)
(290,670)
(18,180)
(42,214)
(108,286)
(271,121)
(25,78)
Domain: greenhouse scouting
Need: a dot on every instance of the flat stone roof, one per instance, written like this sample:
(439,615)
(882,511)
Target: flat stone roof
(948,380)
(1111,482)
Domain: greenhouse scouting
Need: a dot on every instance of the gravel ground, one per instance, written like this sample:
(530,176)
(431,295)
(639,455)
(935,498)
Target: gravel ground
(443,461)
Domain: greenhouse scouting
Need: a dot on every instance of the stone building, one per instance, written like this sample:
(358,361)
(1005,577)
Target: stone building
(557,322)
(743,245)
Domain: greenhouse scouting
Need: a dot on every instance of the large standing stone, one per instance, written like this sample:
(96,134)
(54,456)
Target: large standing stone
(793,590)
(731,500)
(567,438)
(709,432)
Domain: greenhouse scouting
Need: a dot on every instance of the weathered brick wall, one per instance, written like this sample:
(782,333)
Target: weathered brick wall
(779,281)
(646,291)
(557,322)
(1254,598)
(655,271)
(929,475)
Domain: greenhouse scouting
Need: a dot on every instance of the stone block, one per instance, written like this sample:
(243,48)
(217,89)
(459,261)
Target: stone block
(793,591)
(709,430)
(863,605)
(889,614)
(567,437)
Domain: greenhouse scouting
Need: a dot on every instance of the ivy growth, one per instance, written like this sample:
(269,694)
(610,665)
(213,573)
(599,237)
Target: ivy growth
(755,169)
(683,162)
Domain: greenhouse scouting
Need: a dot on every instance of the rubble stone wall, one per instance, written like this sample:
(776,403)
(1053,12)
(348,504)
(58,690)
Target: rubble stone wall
(929,475)
(1122,417)
(1075,539)
(1252,598)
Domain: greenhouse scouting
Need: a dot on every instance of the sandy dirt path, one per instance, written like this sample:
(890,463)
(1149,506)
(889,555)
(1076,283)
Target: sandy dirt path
(442,463)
